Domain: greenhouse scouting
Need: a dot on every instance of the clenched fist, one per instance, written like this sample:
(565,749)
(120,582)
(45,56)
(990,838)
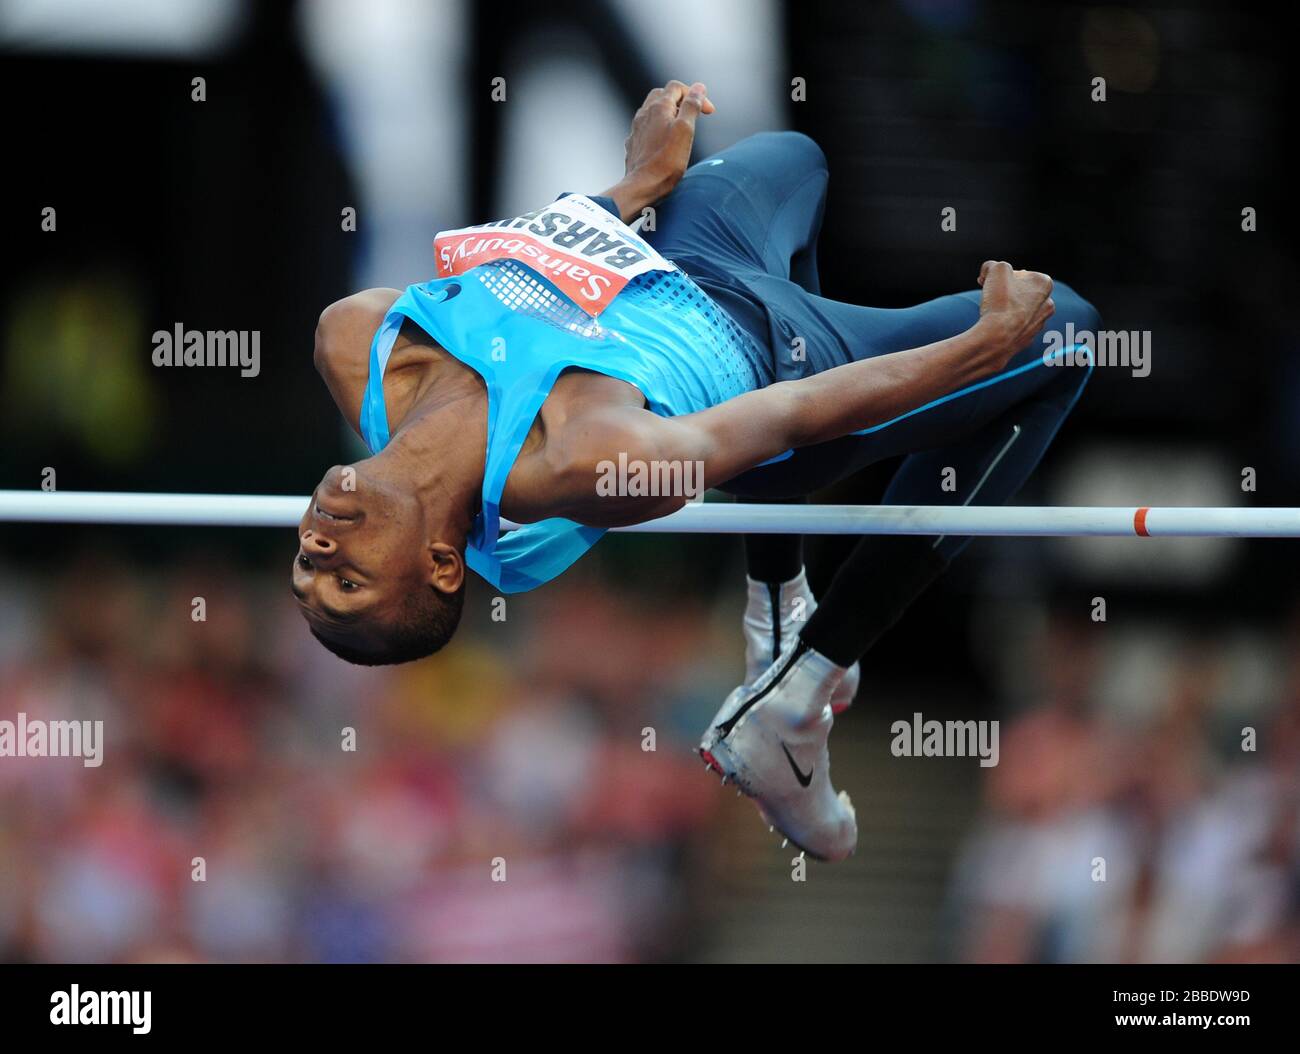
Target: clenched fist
(1014,306)
(659,146)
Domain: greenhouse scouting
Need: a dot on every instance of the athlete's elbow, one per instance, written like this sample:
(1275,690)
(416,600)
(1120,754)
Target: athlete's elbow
(320,350)
(345,328)
(328,338)
(793,414)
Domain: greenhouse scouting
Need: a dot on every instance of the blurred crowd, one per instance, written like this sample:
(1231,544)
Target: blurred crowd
(261,800)
(1170,835)
(531,794)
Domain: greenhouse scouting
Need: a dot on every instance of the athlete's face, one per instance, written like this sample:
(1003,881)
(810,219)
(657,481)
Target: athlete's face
(361,551)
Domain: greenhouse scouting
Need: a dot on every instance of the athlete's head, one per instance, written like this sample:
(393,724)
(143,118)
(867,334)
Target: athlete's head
(377,580)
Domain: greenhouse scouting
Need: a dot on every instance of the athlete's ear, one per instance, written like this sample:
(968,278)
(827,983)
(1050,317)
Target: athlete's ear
(446,567)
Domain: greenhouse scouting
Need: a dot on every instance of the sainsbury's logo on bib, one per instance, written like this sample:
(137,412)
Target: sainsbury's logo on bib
(588,253)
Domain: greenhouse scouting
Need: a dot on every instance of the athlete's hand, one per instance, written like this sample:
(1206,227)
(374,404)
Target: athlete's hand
(659,145)
(1013,307)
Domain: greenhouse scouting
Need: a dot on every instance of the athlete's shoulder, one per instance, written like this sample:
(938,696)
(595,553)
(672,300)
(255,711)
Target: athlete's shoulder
(345,328)
(342,351)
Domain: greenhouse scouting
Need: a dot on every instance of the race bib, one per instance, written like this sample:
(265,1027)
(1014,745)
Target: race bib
(587,252)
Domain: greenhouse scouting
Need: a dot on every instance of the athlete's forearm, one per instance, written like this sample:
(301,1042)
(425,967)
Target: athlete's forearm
(861,394)
(658,148)
(745,431)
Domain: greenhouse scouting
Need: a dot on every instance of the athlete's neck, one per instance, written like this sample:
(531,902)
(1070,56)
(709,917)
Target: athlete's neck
(439,442)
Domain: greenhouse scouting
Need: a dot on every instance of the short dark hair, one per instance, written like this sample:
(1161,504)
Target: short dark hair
(428,620)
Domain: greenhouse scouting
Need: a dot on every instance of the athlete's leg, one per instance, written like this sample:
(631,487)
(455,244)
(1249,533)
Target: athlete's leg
(978,447)
(883,575)
(770,736)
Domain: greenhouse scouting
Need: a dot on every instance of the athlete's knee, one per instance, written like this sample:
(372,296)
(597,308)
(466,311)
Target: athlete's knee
(794,147)
(1071,307)
(806,147)
(1073,326)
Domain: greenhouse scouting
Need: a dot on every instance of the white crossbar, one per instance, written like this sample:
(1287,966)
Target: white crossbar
(249,510)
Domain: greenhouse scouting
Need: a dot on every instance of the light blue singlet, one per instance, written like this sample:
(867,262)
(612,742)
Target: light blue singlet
(513,327)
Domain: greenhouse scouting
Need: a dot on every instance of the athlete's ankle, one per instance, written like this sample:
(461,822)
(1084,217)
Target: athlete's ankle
(804,683)
(826,650)
(760,593)
(821,666)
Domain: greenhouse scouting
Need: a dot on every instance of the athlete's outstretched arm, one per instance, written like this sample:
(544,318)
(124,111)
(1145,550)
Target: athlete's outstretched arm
(658,148)
(745,431)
